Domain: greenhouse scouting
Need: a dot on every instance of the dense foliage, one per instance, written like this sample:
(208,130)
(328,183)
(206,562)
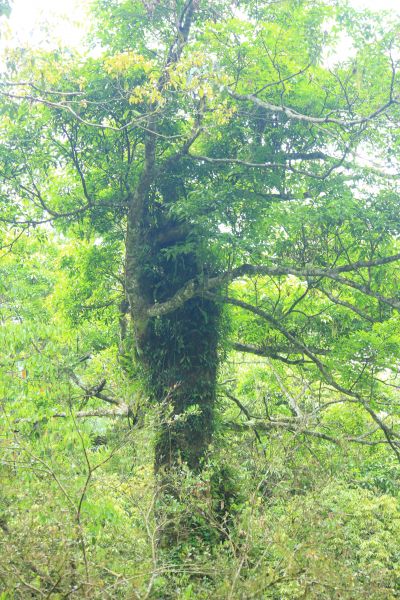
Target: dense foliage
(199,300)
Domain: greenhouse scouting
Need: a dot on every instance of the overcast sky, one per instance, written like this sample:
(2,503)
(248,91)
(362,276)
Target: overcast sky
(28,14)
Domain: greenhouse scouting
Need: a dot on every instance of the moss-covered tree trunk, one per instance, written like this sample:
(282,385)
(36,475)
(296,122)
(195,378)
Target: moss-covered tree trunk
(179,355)
(178,351)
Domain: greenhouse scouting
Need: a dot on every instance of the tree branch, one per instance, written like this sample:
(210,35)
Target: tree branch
(268,352)
(298,430)
(327,375)
(195,287)
(95,391)
(295,115)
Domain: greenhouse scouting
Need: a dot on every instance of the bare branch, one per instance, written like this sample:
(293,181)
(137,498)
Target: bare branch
(66,107)
(348,305)
(266,165)
(298,430)
(268,351)
(122,411)
(95,391)
(295,115)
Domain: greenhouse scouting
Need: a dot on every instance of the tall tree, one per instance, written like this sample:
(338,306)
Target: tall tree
(239,164)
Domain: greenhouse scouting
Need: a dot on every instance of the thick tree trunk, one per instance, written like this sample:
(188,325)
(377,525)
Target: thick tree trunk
(177,351)
(181,359)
